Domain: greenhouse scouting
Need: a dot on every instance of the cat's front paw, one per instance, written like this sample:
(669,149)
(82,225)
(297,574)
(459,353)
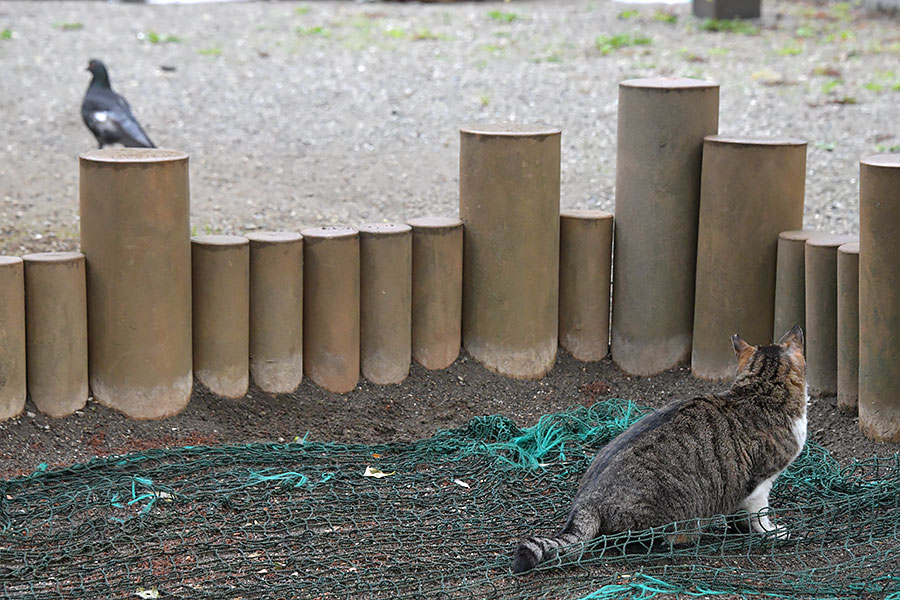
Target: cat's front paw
(765,525)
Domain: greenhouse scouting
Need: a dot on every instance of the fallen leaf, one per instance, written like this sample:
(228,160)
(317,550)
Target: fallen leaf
(142,593)
(377,473)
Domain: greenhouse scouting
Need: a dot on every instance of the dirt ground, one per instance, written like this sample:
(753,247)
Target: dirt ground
(298,114)
(373,414)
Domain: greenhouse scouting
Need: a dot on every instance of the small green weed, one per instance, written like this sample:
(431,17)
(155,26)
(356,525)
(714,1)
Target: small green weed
(840,36)
(503,17)
(873,86)
(891,149)
(729,26)
(789,50)
(6,34)
(665,17)
(398,34)
(607,43)
(826,146)
(628,14)
(827,71)
(317,30)
(831,85)
(427,34)
(214,51)
(302,10)
(159,38)
(804,32)
(484,100)
(69,26)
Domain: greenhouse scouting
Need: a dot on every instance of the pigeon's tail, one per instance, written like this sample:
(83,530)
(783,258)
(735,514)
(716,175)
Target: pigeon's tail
(533,551)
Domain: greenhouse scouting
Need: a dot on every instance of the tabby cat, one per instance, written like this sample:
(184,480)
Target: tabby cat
(694,458)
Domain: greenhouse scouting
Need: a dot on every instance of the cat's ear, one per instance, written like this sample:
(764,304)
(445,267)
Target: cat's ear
(793,339)
(740,346)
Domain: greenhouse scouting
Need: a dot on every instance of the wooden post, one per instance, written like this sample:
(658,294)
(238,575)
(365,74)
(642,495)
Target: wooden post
(879,297)
(276,310)
(56,331)
(437,244)
(662,123)
(751,189)
(385,301)
(509,205)
(135,235)
(221,312)
(790,281)
(848,326)
(585,264)
(331,307)
(821,312)
(13,388)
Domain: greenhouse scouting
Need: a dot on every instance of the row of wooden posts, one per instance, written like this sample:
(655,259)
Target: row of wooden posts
(708,242)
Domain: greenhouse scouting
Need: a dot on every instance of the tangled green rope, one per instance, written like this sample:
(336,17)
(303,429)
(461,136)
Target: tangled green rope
(437,518)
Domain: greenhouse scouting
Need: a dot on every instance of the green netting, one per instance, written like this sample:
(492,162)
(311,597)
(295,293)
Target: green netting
(301,520)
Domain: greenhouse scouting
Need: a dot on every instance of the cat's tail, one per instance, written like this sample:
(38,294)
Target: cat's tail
(534,550)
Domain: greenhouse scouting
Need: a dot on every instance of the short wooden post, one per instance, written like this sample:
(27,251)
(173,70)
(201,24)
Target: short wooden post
(385,301)
(662,123)
(56,331)
(821,312)
(509,205)
(437,244)
(585,263)
(135,235)
(848,326)
(331,298)
(276,310)
(790,281)
(221,312)
(13,388)
(751,189)
(879,297)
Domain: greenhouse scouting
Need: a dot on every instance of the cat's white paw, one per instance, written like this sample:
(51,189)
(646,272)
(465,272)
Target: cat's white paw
(763,524)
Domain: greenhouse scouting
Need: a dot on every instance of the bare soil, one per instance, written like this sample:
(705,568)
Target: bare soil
(373,414)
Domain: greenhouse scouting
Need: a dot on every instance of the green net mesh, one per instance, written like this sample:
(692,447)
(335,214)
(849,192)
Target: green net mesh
(302,520)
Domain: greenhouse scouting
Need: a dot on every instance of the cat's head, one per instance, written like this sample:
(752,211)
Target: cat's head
(784,359)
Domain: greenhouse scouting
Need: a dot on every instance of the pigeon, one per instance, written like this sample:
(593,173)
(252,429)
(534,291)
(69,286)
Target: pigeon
(108,115)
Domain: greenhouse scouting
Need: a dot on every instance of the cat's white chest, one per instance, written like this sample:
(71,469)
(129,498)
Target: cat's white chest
(799,426)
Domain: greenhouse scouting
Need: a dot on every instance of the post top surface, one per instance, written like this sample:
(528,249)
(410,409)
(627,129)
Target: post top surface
(220,240)
(668,83)
(434,222)
(585,213)
(511,129)
(328,232)
(827,240)
(133,155)
(384,228)
(53,257)
(9,260)
(849,248)
(741,140)
(797,235)
(882,160)
(273,236)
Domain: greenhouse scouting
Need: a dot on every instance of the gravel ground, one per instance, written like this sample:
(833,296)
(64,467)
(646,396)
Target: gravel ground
(301,114)
(310,113)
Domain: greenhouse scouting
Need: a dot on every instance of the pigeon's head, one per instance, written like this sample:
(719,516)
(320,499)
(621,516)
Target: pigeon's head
(95,66)
(98,70)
